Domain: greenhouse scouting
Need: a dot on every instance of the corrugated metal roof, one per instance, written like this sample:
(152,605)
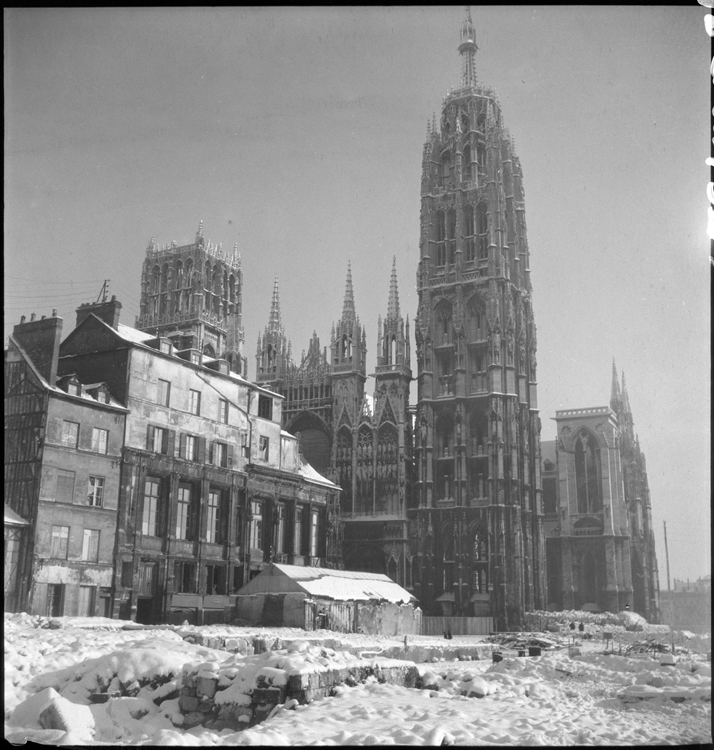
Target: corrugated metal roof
(346,585)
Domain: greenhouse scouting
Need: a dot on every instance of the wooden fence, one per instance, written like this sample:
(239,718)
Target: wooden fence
(457,625)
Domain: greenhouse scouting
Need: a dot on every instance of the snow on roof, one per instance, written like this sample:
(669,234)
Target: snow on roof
(131,334)
(13,519)
(346,585)
(308,472)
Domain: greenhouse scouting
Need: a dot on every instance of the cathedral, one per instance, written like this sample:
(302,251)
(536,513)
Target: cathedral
(598,517)
(476,531)
(192,296)
(365,448)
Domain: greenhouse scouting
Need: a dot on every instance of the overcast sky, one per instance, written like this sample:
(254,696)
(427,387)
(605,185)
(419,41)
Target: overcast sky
(298,134)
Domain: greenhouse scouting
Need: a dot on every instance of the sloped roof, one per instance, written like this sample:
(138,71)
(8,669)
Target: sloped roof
(345,585)
(132,334)
(308,472)
(13,519)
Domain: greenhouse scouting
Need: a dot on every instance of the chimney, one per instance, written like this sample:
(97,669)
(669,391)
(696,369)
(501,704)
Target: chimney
(41,340)
(107,311)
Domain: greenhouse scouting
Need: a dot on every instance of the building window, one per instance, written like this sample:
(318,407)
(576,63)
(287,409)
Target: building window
(65,486)
(74,388)
(95,491)
(297,542)
(314,523)
(183,512)
(482,229)
(220,455)
(158,440)
(70,434)
(150,517)
(264,448)
(185,577)
(280,528)
(194,402)
(213,518)
(215,579)
(60,542)
(265,407)
(587,474)
(549,495)
(147,579)
(90,545)
(256,527)
(223,411)
(191,448)
(100,440)
(163,392)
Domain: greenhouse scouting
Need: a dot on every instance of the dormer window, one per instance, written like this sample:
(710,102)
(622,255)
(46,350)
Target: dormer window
(74,388)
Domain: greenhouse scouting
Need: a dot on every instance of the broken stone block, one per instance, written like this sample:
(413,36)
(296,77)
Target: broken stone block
(71,717)
(188,703)
(206,687)
(272,695)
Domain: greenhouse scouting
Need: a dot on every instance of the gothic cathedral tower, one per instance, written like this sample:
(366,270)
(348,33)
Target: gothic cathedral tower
(192,295)
(477,517)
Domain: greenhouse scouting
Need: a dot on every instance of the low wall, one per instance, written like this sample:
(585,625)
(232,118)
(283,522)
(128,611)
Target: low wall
(206,699)
(457,625)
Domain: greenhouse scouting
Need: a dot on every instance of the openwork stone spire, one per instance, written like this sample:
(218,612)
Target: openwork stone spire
(468,49)
(393,305)
(274,323)
(348,308)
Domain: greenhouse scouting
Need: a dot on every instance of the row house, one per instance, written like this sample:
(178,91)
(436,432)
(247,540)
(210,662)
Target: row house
(211,489)
(63,443)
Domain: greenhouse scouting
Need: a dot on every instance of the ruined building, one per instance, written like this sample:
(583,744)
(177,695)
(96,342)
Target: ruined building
(476,535)
(192,296)
(365,450)
(598,519)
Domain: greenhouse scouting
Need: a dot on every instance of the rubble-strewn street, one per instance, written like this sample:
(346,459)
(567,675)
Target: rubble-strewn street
(98,681)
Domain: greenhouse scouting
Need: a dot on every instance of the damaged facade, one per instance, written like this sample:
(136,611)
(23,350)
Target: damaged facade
(598,517)
(63,446)
(200,487)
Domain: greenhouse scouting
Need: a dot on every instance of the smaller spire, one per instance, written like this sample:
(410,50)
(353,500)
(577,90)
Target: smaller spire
(393,306)
(274,321)
(199,233)
(348,308)
(615,399)
(625,398)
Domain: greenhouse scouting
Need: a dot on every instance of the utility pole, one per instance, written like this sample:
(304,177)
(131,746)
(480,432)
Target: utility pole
(669,588)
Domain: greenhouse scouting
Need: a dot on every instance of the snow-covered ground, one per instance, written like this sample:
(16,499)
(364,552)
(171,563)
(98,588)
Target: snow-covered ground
(558,698)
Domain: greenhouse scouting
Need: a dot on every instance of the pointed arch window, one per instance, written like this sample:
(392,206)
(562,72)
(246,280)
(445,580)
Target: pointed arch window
(469,232)
(587,473)
(451,236)
(467,163)
(482,230)
(440,236)
(445,169)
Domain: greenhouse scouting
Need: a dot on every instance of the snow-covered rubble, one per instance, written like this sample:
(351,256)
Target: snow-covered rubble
(56,677)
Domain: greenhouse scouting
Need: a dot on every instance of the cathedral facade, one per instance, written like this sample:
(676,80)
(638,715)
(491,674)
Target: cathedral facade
(475,519)
(364,447)
(598,517)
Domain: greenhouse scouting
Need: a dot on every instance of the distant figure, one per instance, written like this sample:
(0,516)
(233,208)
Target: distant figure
(581,627)
(448,634)
(572,626)
(627,607)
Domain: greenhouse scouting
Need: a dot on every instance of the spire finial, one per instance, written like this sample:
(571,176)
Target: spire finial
(468,49)
(348,308)
(274,321)
(615,399)
(393,306)
(625,397)
(199,233)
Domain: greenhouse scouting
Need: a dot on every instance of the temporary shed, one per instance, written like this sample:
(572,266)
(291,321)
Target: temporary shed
(343,600)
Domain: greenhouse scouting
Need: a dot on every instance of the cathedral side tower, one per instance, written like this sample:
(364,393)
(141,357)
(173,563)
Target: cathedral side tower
(272,355)
(478,491)
(192,294)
